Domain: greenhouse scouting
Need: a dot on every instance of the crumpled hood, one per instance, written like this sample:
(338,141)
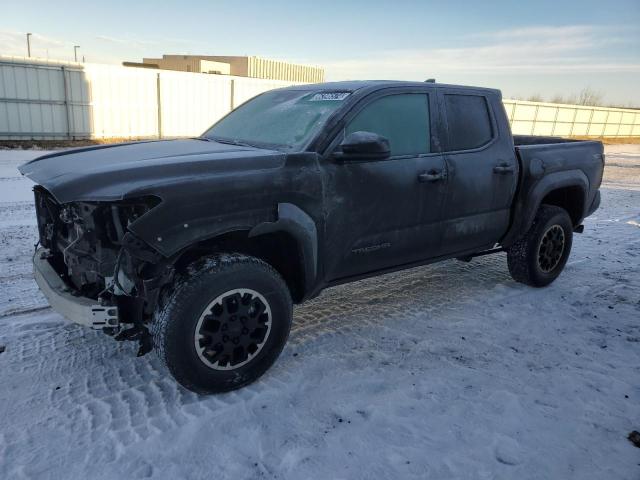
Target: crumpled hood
(114,172)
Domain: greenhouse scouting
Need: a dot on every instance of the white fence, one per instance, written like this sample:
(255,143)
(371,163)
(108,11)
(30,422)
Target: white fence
(58,100)
(537,118)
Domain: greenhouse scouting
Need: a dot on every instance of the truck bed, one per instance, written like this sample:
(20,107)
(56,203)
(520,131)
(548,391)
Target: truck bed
(520,140)
(549,163)
(547,158)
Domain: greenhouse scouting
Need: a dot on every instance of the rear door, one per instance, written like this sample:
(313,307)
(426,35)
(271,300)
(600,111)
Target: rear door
(482,169)
(385,212)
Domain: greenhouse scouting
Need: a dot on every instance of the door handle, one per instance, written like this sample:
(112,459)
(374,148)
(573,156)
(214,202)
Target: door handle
(431,176)
(503,169)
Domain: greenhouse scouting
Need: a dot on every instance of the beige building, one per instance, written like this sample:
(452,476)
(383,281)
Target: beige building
(186,63)
(253,67)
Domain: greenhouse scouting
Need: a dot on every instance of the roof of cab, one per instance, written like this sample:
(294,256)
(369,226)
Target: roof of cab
(354,85)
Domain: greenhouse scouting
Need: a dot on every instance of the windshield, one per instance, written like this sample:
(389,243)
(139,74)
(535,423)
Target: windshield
(280,118)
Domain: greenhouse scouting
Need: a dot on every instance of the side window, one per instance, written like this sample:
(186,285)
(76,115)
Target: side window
(469,121)
(403,119)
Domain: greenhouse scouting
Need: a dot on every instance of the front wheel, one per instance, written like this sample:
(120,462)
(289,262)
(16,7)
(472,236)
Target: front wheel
(540,256)
(223,323)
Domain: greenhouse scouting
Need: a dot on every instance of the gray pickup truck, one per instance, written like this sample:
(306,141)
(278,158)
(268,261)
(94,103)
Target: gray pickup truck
(198,248)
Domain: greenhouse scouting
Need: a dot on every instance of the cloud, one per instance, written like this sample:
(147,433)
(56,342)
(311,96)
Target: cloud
(533,50)
(106,38)
(129,42)
(98,48)
(15,43)
(545,50)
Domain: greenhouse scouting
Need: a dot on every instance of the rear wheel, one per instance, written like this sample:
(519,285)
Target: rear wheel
(223,324)
(539,257)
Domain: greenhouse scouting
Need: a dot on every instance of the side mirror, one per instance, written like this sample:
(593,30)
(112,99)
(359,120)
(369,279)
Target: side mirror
(363,146)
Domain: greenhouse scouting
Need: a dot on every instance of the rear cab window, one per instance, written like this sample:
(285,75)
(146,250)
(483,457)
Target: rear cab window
(468,120)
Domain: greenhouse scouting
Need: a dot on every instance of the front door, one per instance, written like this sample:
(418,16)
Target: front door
(385,213)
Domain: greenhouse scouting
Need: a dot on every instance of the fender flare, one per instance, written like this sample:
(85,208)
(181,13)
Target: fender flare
(526,210)
(296,222)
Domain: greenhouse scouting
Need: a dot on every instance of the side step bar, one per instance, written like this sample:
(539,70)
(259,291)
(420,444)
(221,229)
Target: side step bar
(467,258)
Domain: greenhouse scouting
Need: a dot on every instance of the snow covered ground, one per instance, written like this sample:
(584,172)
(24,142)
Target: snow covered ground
(446,371)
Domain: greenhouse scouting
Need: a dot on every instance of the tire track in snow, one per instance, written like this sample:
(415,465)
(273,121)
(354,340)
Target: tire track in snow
(112,412)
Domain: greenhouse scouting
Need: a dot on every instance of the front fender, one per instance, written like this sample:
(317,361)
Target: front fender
(171,230)
(297,223)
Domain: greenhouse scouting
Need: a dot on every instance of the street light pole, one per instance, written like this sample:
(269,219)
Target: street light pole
(75,52)
(28,44)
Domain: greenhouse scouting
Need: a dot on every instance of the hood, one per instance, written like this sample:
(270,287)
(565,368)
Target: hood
(115,172)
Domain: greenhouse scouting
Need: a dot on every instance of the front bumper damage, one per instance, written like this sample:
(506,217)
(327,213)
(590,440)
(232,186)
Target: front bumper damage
(81,310)
(93,271)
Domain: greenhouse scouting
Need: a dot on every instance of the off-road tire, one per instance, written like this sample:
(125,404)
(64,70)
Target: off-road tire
(182,305)
(523,257)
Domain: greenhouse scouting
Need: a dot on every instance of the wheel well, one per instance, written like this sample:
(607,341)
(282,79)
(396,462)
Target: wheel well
(569,198)
(278,249)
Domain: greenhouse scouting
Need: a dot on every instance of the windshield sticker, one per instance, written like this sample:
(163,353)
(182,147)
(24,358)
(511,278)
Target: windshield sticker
(331,96)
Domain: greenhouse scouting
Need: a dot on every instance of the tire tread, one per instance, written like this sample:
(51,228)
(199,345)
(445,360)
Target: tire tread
(519,262)
(176,295)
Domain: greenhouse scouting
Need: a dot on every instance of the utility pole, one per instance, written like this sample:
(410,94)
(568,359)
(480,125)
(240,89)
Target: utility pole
(75,52)
(29,44)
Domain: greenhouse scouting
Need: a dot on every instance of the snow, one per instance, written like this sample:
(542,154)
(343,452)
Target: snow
(446,371)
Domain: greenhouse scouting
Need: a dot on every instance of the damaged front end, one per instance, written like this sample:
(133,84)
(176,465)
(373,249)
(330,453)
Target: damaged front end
(103,271)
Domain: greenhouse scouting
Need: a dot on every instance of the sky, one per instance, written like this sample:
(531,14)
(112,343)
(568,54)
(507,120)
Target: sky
(526,48)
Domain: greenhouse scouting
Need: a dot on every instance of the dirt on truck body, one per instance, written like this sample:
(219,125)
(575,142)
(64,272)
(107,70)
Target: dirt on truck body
(197,248)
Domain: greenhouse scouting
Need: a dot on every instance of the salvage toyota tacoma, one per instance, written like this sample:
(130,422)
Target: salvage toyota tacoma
(198,248)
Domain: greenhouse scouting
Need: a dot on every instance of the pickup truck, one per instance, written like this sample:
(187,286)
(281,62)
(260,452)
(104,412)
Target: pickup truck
(198,248)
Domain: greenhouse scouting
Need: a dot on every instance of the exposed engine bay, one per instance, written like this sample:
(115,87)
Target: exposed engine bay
(89,246)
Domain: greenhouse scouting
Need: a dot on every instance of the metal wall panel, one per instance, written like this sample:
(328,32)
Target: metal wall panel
(33,105)
(191,104)
(51,100)
(278,70)
(538,118)
(124,101)
(246,88)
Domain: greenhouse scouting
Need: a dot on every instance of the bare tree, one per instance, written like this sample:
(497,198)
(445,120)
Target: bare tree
(587,96)
(590,97)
